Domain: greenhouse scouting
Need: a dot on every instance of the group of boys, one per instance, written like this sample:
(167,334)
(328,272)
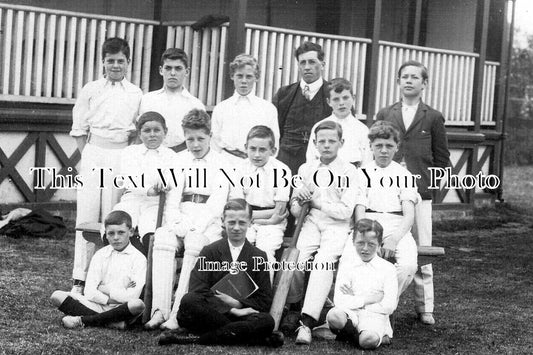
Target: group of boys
(308,129)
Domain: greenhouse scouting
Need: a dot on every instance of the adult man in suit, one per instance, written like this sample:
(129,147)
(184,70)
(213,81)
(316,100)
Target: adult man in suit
(423,144)
(217,318)
(300,105)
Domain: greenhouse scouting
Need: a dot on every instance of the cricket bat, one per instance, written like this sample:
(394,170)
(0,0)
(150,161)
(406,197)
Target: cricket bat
(148,283)
(284,277)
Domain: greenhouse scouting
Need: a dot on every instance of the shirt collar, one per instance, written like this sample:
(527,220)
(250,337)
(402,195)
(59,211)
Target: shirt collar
(314,86)
(145,149)
(410,107)
(184,92)
(236,97)
(208,157)
(334,164)
(127,251)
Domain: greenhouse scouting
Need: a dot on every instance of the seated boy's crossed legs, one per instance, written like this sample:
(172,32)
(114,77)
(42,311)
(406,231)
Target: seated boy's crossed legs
(359,326)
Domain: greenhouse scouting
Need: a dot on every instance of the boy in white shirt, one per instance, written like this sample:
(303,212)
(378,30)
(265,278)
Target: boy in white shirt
(143,163)
(355,133)
(198,221)
(173,100)
(269,196)
(103,123)
(114,283)
(329,185)
(234,117)
(366,290)
(388,194)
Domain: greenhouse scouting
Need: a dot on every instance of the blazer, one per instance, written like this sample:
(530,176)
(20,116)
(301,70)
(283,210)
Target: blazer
(285,96)
(202,281)
(423,145)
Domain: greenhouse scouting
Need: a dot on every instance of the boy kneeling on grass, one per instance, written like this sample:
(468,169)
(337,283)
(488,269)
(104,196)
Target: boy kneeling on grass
(366,290)
(114,282)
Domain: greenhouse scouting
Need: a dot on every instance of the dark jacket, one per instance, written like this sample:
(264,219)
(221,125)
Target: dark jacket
(423,145)
(284,97)
(202,281)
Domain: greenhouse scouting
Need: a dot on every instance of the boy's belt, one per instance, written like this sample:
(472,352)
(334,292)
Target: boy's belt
(179,148)
(258,208)
(196,198)
(399,213)
(105,143)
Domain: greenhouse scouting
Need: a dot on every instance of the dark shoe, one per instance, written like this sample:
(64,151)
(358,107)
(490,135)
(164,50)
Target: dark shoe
(290,323)
(177,337)
(276,339)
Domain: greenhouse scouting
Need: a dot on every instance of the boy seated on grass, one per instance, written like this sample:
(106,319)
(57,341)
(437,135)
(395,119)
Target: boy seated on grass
(355,149)
(114,282)
(268,200)
(329,185)
(366,290)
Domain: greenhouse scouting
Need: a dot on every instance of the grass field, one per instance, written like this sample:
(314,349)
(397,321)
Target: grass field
(483,289)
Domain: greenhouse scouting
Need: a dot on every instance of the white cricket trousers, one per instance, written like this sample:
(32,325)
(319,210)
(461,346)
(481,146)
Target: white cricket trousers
(422,232)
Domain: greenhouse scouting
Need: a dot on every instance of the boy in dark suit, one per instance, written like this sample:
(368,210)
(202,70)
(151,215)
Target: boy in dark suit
(423,144)
(215,317)
(300,105)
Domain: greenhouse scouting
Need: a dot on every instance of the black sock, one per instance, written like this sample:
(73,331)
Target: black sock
(72,307)
(348,333)
(117,314)
(308,321)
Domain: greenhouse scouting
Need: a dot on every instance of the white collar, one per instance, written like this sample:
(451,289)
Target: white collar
(128,250)
(314,86)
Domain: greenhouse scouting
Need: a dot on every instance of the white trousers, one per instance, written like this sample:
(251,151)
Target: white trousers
(422,231)
(164,266)
(406,252)
(92,202)
(327,238)
(268,238)
(142,209)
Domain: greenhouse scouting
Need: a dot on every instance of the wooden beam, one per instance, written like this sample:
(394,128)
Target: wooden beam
(507,47)
(372,57)
(480,47)
(159,39)
(236,38)
(418,21)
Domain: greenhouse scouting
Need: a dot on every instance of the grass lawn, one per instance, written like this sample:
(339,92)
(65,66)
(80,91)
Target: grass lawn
(483,290)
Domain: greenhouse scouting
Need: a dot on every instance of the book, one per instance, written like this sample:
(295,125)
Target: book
(239,285)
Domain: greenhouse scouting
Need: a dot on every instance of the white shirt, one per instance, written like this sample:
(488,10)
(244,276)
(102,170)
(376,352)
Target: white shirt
(106,109)
(233,118)
(204,176)
(152,166)
(266,195)
(235,251)
(365,278)
(313,87)
(408,114)
(380,196)
(116,269)
(338,200)
(173,106)
(356,147)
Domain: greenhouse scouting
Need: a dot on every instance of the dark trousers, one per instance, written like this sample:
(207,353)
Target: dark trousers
(92,318)
(199,316)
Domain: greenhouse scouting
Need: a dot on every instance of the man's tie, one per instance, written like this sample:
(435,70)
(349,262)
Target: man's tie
(307,93)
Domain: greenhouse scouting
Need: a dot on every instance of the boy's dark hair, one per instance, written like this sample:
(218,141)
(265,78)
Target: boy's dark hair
(117,218)
(338,85)
(197,119)
(115,45)
(240,61)
(414,63)
(175,54)
(261,132)
(237,204)
(328,124)
(308,47)
(368,225)
(384,130)
(151,116)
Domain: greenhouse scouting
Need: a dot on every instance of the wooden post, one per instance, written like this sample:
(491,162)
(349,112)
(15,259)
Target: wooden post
(158,47)
(503,92)
(480,46)
(417,23)
(372,56)
(236,39)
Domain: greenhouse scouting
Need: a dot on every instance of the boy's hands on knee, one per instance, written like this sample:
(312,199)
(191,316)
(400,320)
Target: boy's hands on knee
(227,299)
(241,312)
(388,249)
